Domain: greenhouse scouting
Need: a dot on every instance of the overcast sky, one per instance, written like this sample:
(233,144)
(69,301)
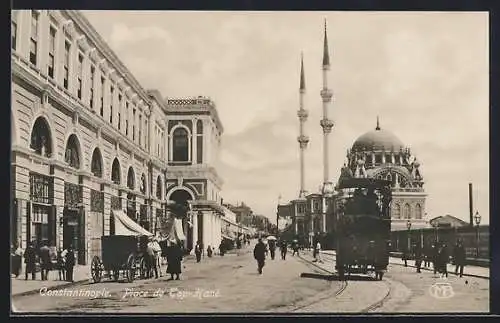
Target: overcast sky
(425,74)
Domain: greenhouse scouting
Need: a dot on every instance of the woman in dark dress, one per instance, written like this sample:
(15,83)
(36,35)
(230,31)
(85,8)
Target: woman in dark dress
(174,259)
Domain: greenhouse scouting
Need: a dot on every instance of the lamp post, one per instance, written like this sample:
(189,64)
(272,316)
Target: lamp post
(477,218)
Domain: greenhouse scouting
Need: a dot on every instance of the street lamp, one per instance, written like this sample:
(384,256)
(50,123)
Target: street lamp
(477,218)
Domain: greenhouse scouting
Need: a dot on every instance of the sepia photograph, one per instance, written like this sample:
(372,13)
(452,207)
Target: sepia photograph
(278,162)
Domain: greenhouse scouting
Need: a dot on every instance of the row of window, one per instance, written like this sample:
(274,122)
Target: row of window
(407,214)
(139,124)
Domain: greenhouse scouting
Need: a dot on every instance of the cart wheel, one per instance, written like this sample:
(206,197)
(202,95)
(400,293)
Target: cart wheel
(96,269)
(116,275)
(143,269)
(130,269)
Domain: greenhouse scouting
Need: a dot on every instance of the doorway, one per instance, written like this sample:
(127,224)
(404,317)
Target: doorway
(72,233)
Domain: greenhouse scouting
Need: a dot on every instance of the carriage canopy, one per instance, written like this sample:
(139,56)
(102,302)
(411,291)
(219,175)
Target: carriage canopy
(125,226)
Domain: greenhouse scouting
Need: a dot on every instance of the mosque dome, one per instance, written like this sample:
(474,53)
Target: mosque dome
(378,140)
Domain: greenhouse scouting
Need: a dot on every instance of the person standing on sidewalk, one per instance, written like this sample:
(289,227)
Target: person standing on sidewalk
(209,251)
(174,259)
(70,263)
(259,253)
(30,261)
(272,248)
(459,257)
(45,261)
(198,251)
(418,257)
(317,250)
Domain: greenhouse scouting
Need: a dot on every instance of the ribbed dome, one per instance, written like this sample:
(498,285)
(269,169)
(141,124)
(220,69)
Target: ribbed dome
(378,139)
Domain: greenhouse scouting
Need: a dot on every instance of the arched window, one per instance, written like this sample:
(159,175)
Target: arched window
(158,187)
(96,164)
(418,211)
(115,172)
(180,144)
(396,211)
(378,159)
(406,211)
(388,177)
(143,184)
(199,142)
(72,156)
(41,141)
(131,178)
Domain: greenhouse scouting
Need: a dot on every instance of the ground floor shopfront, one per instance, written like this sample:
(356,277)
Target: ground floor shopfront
(53,203)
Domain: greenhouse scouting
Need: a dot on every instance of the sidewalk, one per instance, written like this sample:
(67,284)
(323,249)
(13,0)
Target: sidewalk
(472,271)
(20,286)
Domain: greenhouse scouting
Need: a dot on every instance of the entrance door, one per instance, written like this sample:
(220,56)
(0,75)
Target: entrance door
(71,230)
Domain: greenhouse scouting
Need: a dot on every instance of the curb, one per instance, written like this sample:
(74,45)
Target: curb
(424,268)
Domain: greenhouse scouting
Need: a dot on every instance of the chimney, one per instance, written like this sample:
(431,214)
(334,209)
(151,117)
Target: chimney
(471,208)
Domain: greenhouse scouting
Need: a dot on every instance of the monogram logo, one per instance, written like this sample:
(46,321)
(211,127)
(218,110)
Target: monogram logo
(441,290)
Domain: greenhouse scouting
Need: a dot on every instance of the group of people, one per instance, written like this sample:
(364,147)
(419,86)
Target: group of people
(63,261)
(437,253)
(261,250)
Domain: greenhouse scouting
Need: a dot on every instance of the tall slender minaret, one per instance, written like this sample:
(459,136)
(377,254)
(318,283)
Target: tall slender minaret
(302,139)
(327,125)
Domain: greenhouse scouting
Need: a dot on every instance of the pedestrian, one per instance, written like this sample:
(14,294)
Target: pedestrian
(209,251)
(295,248)
(61,265)
(427,255)
(406,256)
(435,258)
(459,257)
(259,253)
(198,251)
(30,261)
(317,249)
(443,260)
(222,249)
(152,262)
(45,261)
(283,249)
(174,259)
(70,263)
(272,248)
(17,259)
(418,257)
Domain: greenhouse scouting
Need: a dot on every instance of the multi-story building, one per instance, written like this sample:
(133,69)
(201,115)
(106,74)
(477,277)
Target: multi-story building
(88,140)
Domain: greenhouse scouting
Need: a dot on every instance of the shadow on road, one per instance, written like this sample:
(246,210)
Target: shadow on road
(336,277)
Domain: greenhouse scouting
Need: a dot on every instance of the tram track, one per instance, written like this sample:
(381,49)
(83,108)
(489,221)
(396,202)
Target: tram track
(344,284)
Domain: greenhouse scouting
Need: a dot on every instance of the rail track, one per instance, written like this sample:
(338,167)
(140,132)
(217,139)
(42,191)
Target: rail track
(344,284)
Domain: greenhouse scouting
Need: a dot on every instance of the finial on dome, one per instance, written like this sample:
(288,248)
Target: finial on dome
(378,124)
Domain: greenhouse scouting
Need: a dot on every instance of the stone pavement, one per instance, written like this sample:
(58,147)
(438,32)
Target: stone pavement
(20,286)
(472,271)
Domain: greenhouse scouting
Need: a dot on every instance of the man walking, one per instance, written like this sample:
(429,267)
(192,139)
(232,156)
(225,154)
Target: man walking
(198,251)
(317,251)
(30,261)
(272,248)
(259,253)
(459,257)
(283,249)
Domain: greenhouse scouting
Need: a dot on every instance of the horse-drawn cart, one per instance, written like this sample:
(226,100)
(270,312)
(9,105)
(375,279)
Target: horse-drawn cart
(123,252)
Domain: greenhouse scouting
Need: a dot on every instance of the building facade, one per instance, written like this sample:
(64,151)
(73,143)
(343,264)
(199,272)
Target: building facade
(380,154)
(88,139)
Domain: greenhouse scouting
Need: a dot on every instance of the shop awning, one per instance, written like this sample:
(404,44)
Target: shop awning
(125,226)
(179,232)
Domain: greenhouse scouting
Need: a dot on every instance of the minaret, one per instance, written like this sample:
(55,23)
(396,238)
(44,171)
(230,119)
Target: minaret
(302,139)
(327,125)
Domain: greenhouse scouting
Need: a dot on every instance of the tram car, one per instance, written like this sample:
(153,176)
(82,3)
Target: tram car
(362,226)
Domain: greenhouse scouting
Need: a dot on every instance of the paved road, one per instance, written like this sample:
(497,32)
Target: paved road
(232,284)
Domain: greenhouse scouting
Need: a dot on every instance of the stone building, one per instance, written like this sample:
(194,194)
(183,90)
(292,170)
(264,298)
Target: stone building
(88,140)
(380,154)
